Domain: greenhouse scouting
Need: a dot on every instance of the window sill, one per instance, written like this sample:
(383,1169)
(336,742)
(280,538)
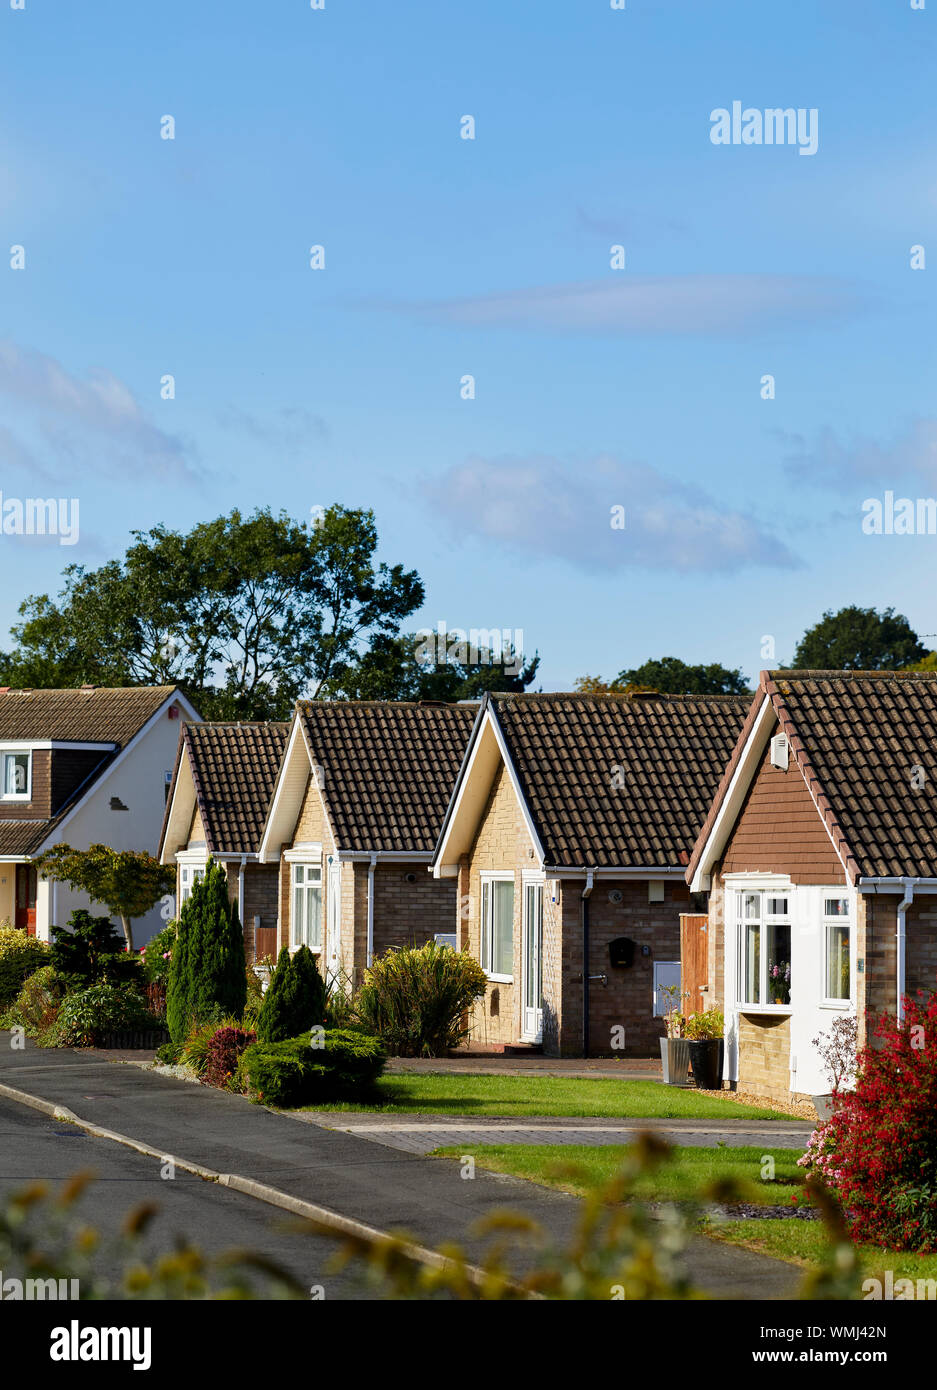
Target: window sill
(843,1006)
(500,979)
(780,1009)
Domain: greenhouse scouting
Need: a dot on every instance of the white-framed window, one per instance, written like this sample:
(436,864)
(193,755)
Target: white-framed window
(837,979)
(16,774)
(764,949)
(189,874)
(497,924)
(306,917)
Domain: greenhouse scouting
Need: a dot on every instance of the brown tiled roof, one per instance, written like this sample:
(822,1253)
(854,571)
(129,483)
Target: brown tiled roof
(234,767)
(24,836)
(859,737)
(102,714)
(388,768)
(570,752)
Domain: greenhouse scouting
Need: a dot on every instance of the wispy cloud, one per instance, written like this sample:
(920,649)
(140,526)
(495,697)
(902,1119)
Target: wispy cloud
(541,506)
(910,457)
(290,429)
(65,421)
(658,304)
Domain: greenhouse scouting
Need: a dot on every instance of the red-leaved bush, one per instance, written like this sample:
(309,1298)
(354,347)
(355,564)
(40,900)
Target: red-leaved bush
(878,1150)
(223,1054)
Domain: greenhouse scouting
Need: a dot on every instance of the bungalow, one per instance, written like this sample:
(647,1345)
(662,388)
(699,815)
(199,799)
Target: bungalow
(568,832)
(221,788)
(353,819)
(819,855)
(83,766)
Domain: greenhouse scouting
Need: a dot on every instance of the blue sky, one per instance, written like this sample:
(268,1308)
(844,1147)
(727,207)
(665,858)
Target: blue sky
(491,257)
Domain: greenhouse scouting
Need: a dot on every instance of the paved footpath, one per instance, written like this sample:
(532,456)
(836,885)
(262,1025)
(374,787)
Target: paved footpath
(421,1134)
(369,1182)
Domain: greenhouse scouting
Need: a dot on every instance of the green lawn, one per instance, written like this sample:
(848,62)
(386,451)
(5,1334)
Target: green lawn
(449,1093)
(802,1242)
(579,1168)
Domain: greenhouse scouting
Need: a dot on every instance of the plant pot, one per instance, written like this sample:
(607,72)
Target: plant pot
(823,1106)
(705,1059)
(664,1057)
(678,1061)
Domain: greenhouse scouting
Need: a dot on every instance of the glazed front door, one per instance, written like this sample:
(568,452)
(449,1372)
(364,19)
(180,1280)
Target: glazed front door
(25,912)
(532,1018)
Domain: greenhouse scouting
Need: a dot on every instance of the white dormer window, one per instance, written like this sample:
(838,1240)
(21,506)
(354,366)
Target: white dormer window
(16,775)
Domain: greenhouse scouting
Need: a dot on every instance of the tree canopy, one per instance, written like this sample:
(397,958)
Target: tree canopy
(128,882)
(246,614)
(395,668)
(670,676)
(859,639)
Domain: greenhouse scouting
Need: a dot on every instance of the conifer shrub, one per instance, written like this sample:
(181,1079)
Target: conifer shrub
(295,1000)
(207,974)
(90,950)
(878,1150)
(324,1065)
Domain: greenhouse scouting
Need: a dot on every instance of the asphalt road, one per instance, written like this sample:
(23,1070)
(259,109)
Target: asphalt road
(210,1217)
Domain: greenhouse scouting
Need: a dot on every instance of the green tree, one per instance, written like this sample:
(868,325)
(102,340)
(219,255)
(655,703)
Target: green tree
(859,639)
(403,668)
(296,999)
(127,882)
(244,613)
(671,676)
(89,949)
(207,972)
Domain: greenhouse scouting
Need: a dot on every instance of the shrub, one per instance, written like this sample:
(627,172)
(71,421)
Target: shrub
(337,1064)
(89,949)
(87,1015)
(157,954)
(414,999)
(20,955)
(255,999)
(878,1150)
(207,970)
(169,1054)
(38,1001)
(295,1000)
(704,1027)
(224,1053)
(194,1050)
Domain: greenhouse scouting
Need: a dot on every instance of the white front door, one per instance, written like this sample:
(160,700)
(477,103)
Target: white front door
(532,1006)
(333,921)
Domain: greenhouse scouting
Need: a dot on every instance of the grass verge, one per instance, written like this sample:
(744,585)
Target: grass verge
(803,1243)
(437,1093)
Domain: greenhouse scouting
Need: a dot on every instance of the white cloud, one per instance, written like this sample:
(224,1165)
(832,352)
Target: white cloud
(909,457)
(65,421)
(543,507)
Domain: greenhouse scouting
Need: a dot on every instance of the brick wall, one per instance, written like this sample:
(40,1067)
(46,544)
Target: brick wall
(765,1055)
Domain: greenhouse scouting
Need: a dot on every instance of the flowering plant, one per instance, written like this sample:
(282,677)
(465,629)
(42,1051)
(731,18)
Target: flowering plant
(779,978)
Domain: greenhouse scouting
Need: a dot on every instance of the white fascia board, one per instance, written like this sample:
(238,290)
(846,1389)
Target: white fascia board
(176,698)
(393,856)
(181,809)
(873,886)
(470,799)
(44,744)
(287,801)
(735,795)
(620,871)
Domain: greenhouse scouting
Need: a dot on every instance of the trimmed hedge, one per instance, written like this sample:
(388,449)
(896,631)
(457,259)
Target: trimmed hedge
(334,1064)
(20,955)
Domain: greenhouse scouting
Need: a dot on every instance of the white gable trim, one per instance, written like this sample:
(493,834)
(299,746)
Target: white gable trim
(180,816)
(735,795)
(288,795)
(175,698)
(460,817)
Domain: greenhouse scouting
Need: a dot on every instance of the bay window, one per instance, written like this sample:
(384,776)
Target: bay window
(837,984)
(764,949)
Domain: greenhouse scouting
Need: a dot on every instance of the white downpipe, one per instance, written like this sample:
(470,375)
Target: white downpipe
(372,865)
(900,944)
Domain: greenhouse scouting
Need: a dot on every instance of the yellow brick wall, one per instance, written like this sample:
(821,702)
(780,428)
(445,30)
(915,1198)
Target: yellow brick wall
(765,1055)
(311,825)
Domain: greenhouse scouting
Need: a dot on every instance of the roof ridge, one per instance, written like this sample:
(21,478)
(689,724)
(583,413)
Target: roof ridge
(796,673)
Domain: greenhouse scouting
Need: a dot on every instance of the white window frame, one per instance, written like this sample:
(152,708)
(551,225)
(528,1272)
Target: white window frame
(765,919)
(305,878)
(826,1000)
(485,943)
(189,872)
(16,753)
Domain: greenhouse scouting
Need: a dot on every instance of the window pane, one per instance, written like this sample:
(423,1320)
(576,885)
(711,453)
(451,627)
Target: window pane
(486,927)
(15,774)
(777,907)
(314,917)
(533,946)
(503,929)
(837,961)
(836,907)
(778,947)
(752,963)
(752,906)
(296,934)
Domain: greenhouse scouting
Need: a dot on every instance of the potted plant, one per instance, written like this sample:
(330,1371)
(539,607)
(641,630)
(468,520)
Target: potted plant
(674,1048)
(779,978)
(705,1033)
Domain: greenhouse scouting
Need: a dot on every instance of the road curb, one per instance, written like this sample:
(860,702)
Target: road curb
(323,1217)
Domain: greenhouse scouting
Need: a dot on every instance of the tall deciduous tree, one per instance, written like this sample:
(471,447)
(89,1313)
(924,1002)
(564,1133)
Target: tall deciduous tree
(245,613)
(859,639)
(670,676)
(127,882)
(403,668)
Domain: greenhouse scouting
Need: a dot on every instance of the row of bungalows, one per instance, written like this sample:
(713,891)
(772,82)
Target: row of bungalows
(546,834)
(576,844)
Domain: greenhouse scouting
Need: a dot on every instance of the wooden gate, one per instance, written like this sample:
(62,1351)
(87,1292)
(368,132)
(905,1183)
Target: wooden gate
(694,961)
